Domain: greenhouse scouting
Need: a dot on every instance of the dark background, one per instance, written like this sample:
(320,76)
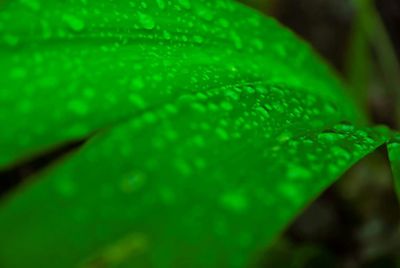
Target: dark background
(355,223)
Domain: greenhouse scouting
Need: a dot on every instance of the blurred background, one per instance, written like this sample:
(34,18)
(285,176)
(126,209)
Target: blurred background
(355,223)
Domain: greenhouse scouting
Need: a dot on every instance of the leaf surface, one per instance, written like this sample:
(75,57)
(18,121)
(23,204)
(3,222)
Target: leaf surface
(210,128)
(96,64)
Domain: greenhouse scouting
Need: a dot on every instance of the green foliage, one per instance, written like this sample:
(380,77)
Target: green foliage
(209,128)
(394,156)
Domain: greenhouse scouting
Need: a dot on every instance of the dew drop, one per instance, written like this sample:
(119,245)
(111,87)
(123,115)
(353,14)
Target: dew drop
(224,23)
(74,23)
(198,39)
(78,107)
(146,21)
(167,195)
(166,35)
(32,4)
(149,117)
(185,3)
(297,172)
(132,182)
(65,187)
(284,137)
(340,153)
(11,40)
(329,136)
(222,133)
(204,12)
(137,83)
(226,106)
(161,4)
(233,95)
(258,44)
(200,163)
(237,41)
(234,201)
(183,167)
(18,73)
(137,101)
(262,111)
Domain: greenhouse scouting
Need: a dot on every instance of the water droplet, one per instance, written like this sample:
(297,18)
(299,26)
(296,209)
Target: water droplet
(11,40)
(328,136)
(171,134)
(171,109)
(78,107)
(198,39)
(258,44)
(198,141)
(198,107)
(249,90)
(65,187)
(88,92)
(137,83)
(166,35)
(185,3)
(183,167)
(146,21)
(167,195)
(73,22)
(161,4)
(285,136)
(237,41)
(330,108)
(297,172)
(264,113)
(204,12)
(232,94)
(137,101)
(290,192)
(32,4)
(226,106)
(133,182)
(18,73)
(340,153)
(235,202)
(200,163)
(223,22)
(149,117)
(222,133)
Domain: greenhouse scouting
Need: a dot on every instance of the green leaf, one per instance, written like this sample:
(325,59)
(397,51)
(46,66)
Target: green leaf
(209,128)
(96,64)
(394,156)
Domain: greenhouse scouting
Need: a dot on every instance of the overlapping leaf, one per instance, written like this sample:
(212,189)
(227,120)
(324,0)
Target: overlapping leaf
(210,128)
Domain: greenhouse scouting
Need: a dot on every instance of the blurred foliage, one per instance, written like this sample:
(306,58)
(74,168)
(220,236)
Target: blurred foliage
(359,216)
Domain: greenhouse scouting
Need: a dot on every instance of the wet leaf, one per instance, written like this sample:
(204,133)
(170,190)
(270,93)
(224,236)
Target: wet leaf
(97,64)
(209,128)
